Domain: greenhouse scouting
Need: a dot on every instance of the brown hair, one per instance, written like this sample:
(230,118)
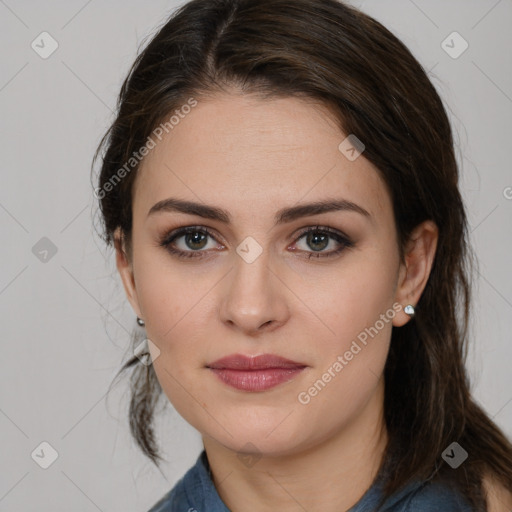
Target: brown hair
(328,51)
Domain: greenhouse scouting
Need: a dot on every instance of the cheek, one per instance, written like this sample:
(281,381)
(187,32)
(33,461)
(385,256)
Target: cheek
(180,364)
(171,297)
(180,321)
(350,362)
(349,301)
(350,356)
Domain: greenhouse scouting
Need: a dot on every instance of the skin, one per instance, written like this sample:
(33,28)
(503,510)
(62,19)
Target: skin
(499,499)
(253,157)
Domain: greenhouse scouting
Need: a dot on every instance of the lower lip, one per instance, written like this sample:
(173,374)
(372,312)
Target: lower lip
(256,380)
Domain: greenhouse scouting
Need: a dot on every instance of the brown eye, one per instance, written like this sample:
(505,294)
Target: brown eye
(189,242)
(195,240)
(318,239)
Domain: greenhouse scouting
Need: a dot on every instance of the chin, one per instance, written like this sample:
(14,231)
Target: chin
(269,435)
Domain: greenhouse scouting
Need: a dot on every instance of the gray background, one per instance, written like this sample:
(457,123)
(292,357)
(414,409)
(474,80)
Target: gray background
(65,321)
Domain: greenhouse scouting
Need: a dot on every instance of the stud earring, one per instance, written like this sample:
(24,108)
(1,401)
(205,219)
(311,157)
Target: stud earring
(409,309)
(141,322)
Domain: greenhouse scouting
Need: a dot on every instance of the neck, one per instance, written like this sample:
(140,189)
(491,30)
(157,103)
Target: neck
(330,476)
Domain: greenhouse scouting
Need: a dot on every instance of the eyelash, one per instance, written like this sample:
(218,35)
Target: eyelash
(169,238)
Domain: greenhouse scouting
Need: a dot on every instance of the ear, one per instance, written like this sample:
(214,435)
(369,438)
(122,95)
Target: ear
(125,269)
(414,273)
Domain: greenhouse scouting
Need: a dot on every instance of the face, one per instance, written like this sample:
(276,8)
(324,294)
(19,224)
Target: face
(248,283)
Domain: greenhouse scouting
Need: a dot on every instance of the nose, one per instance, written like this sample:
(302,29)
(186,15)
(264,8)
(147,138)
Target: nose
(253,298)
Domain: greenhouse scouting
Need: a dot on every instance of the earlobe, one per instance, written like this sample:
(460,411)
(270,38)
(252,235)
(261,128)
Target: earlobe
(414,273)
(125,269)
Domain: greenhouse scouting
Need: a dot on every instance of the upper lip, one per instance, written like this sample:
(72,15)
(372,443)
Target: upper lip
(261,362)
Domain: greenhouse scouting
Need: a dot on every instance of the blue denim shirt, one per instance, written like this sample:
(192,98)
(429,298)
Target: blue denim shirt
(195,492)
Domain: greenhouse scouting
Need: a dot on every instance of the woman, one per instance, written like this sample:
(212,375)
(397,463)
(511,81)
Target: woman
(281,190)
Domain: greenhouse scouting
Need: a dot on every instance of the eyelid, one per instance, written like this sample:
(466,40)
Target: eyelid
(340,237)
(182,231)
(324,229)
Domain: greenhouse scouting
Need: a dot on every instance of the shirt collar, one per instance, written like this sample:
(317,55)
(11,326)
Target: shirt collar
(202,494)
(196,492)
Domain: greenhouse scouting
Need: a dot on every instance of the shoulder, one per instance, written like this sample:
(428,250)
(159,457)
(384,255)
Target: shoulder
(436,497)
(194,492)
(499,499)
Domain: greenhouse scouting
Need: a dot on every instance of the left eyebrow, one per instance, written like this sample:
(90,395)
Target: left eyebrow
(318,207)
(281,217)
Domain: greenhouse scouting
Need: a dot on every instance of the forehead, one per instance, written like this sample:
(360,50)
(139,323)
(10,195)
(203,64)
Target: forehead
(241,151)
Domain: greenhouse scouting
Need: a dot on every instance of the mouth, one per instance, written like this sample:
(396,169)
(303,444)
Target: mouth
(256,373)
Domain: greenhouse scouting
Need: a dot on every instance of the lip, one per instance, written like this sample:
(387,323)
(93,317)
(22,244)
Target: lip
(255,373)
(261,362)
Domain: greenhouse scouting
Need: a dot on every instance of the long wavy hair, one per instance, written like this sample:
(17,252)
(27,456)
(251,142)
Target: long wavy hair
(332,52)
